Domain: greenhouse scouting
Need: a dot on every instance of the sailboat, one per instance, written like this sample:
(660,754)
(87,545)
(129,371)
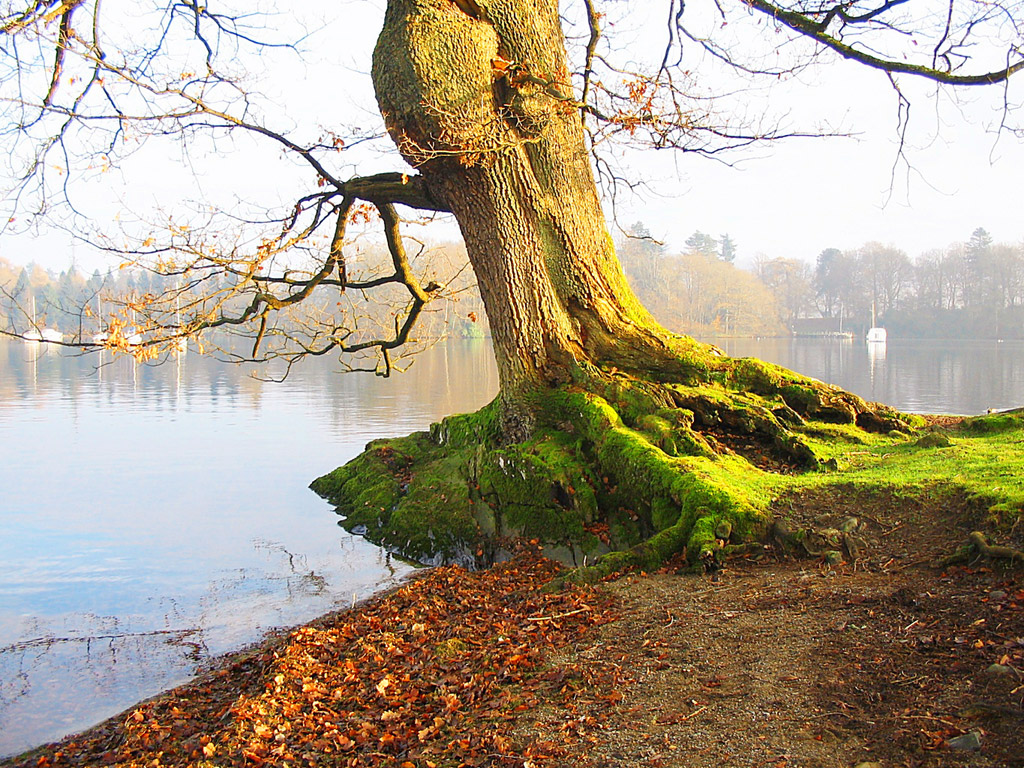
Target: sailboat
(876,335)
(102,336)
(33,334)
(47,334)
(179,345)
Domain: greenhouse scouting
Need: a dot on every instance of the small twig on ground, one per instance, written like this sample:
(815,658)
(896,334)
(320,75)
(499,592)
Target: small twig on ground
(692,714)
(557,615)
(929,717)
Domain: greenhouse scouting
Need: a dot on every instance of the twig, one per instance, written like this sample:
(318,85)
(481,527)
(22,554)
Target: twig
(893,529)
(928,717)
(693,714)
(557,615)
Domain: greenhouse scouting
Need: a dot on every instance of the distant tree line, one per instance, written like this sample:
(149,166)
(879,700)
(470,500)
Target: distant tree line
(81,305)
(699,291)
(68,301)
(972,289)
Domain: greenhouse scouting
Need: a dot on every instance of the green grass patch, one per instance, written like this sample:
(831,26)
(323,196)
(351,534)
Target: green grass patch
(984,457)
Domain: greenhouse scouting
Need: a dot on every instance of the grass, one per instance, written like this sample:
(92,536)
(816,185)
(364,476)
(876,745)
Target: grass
(984,458)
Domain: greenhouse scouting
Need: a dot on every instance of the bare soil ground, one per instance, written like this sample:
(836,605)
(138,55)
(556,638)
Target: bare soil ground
(889,660)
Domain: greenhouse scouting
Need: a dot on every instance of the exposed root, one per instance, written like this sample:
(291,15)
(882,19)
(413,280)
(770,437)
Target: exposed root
(619,471)
(977,547)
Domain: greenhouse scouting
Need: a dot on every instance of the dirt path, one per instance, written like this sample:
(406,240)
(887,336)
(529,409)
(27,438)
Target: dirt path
(886,661)
(792,663)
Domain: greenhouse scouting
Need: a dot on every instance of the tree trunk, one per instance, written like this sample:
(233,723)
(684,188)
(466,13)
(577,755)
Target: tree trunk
(478,98)
(609,434)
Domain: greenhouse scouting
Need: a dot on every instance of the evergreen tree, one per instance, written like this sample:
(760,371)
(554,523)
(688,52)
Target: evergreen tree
(977,254)
(726,248)
(699,242)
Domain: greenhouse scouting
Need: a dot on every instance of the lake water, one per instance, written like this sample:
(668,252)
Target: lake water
(921,376)
(154,517)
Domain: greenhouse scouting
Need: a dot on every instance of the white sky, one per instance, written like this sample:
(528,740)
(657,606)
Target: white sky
(789,199)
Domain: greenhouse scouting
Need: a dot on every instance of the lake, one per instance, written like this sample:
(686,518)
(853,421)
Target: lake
(921,376)
(157,517)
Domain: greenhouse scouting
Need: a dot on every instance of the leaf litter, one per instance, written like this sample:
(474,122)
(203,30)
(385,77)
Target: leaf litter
(889,660)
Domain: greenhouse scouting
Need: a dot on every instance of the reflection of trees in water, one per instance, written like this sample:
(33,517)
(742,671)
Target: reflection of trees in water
(103,664)
(87,665)
(301,580)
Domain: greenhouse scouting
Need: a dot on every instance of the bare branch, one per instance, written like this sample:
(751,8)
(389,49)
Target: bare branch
(805,24)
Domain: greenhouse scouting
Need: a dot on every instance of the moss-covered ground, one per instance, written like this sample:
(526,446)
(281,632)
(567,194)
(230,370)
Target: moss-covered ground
(629,472)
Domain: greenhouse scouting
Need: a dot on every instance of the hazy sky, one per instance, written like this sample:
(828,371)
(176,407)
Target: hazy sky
(785,199)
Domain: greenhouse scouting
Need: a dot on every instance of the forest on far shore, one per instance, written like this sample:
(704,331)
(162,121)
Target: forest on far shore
(970,289)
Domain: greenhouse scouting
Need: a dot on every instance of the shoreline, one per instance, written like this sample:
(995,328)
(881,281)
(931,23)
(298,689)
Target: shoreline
(184,714)
(888,659)
(215,666)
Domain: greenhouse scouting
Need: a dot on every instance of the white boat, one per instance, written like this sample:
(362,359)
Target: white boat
(47,334)
(131,339)
(876,334)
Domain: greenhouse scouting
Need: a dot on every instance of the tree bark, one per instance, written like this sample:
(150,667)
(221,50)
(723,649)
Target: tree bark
(610,434)
(477,97)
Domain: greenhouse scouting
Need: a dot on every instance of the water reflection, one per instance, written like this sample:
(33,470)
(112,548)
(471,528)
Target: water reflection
(156,516)
(926,376)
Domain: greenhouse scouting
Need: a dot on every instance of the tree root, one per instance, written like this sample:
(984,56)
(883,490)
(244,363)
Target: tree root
(829,543)
(620,471)
(977,546)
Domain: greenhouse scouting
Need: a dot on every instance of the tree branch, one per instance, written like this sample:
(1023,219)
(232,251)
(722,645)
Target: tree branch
(807,26)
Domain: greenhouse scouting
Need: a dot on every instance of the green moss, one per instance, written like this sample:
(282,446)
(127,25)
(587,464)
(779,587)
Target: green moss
(749,373)
(625,463)
(369,482)
(986,463)
(469,429)
(912,420)
(800,398)
(539,490)
(933,440)
(995,423)
(409,495)
(664,513)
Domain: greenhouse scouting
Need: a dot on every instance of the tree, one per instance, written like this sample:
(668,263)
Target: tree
(886,272)
(833,280)
(790,281)
(727,249)
(603,417)
(642,259)
(977,253)
(701,243)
